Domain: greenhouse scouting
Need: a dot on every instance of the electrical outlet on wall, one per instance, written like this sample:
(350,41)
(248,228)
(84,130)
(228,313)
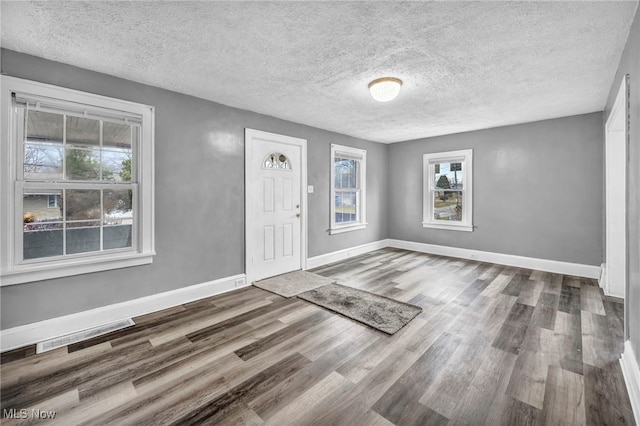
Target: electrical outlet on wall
(239,283)
(473,256)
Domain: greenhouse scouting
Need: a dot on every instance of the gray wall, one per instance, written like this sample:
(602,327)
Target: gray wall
(199,195)
(630,64)
(537,190)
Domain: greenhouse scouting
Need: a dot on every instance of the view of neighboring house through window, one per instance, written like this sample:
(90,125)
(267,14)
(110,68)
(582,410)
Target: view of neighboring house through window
(79,179)
(448,189)
(348,177)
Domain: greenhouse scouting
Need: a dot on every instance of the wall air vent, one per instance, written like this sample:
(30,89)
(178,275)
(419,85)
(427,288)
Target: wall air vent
(68,339)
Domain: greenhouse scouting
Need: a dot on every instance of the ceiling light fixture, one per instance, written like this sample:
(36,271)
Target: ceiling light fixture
(385,89)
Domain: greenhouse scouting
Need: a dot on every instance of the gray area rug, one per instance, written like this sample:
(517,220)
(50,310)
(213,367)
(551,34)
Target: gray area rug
(293,283)
(382,313)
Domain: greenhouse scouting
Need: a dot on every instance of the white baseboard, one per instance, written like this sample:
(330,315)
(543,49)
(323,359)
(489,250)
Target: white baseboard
(29,334)
(631,374)
(324,259)
(602,279)
(555,266)
(33,333)
(605,285)
(576,269)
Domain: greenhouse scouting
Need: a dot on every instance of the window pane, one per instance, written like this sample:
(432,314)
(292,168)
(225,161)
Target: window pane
(337,175)
(448,175)
(339,167)
(44,126)
(43,240)
(43,146)
(346,172)
(83,131)
(116,154)
(83,149)
(37,207)
(83,237)
(117,236)
(116,165)
(42,225)
(345,207)
(117,204)
(118,219)
(83,164)
(276,160)
(448,205)
(349,180)
(83,204)
(353,174)
(116,135)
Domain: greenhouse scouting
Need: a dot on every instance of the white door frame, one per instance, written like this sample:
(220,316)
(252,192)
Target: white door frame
(249,181)
(616,133)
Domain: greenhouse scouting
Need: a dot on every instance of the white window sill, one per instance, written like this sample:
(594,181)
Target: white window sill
(348,228)
(45,271)
(451,227)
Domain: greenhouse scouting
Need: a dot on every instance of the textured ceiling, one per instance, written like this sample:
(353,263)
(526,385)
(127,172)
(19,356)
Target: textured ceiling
(465,65)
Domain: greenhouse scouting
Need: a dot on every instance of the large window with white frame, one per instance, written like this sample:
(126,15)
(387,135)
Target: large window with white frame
(448,190)
(77,182)
(348,188)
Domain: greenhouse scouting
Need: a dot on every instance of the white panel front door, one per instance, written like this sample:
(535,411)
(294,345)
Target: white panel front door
(274,204)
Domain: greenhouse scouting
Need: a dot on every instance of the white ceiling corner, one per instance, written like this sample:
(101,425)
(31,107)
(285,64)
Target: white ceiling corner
(465,65)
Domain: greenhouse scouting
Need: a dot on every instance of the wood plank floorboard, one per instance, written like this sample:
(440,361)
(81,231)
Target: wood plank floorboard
(273,400)
(544,315)
(404,394)
(494,345)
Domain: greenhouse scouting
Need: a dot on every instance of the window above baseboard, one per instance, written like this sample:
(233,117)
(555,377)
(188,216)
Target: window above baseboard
(448,190)
(348,205)
(77,186)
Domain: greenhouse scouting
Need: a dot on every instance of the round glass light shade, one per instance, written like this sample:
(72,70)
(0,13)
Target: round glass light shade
(385,89)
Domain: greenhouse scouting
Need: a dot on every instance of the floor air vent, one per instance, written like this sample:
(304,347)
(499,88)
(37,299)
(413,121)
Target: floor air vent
(59,342)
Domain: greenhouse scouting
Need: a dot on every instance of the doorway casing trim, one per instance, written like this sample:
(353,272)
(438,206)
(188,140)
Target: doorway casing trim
(250,247)
(618,122)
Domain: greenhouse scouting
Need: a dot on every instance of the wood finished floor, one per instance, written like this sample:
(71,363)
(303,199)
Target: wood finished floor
(493,345)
